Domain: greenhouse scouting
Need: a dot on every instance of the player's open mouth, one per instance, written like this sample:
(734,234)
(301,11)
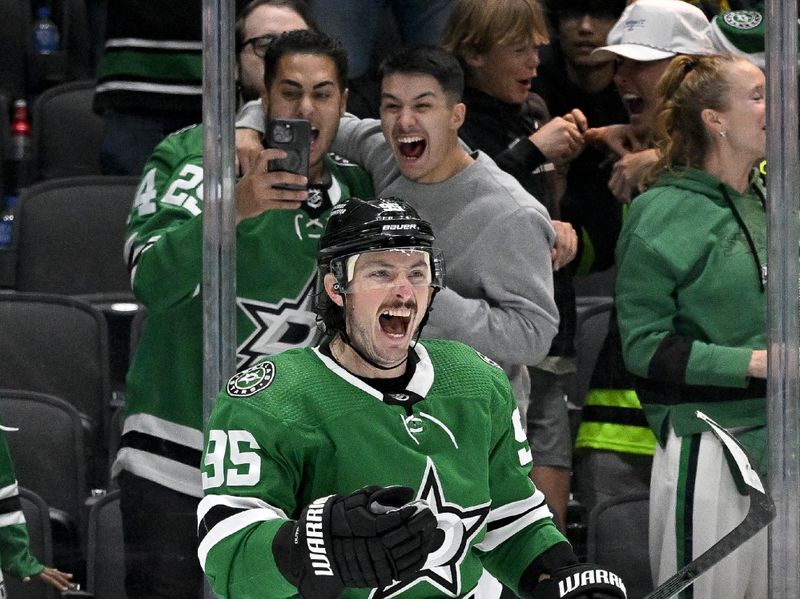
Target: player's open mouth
(314,135)
(395,321)
(411,146)
(634,103)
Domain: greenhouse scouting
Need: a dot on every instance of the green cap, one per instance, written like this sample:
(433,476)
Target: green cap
(740,32)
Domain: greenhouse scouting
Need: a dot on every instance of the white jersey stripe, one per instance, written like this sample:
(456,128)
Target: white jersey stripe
(420,383)
(496,537)
(152,88)
(488,587)
(164,429)
(12,518)
(245,503)
(231,526)
(9,491)
(350,378)
(516,508)
(136,42)
(163,471)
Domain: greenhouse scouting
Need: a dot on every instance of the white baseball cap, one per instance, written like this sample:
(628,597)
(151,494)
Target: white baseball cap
(657,29)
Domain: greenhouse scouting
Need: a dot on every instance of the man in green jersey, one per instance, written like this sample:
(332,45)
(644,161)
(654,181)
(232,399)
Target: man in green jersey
(377,464)
(276,236)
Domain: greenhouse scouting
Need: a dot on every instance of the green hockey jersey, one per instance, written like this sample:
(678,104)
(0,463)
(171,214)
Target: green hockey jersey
(298,426)
(15,555)
(275,270)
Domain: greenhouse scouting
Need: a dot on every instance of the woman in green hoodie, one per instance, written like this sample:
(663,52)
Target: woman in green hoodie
(692,313)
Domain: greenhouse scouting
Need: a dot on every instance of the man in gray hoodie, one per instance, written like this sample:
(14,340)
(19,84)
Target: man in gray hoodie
(496,237)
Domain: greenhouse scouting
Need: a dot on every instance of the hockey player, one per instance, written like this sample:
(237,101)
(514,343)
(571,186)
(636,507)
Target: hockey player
(378,465)
(15,554)
(277,236)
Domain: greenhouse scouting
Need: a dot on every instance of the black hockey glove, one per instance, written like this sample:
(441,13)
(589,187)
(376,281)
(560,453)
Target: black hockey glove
(366,539)
(580,581)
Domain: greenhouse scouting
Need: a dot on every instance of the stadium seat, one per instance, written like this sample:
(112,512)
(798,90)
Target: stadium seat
(71,234)
(50,459)
(59,346)
(617,540)
(35,510)
(71,237)
(67,135)
(48,449)
(105,565)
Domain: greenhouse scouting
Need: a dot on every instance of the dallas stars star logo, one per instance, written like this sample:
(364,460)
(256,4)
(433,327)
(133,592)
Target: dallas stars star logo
(285,325)
(460,525)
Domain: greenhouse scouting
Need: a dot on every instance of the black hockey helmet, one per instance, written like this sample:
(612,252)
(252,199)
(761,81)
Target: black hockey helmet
(364,225)
(359,226)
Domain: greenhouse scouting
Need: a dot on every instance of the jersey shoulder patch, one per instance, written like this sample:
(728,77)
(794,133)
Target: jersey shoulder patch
(251,380)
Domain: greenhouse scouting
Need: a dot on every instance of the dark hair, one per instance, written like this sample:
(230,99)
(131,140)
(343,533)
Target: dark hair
(298,6)
(558,9)
(330,317)
(427,60)
(305,42)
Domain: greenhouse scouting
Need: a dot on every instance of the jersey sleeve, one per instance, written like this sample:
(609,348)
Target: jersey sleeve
(251,471)
(164,235)
(15,555)
(652,348)
(519,526)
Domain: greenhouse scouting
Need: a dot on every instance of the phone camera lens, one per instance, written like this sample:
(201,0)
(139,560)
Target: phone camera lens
(282,133)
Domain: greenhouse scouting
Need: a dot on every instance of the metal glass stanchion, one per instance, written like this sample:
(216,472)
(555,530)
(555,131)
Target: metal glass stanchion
(783,186)
(219,239)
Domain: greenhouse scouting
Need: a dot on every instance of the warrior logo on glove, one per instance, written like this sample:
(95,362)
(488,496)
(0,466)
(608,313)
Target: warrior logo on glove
(581,581)
(316,540)
(367,539)
(589,576)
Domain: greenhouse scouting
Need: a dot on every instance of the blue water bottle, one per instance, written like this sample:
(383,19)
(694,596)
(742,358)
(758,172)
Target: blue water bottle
(46,39)
(7,222)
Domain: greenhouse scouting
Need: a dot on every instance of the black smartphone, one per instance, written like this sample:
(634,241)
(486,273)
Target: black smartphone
(294,137)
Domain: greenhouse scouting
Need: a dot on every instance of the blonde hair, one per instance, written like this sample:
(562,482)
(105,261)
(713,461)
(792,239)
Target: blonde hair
(479,25)
(688,86)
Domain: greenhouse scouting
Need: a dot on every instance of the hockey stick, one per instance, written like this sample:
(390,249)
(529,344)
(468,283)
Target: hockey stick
(761,513)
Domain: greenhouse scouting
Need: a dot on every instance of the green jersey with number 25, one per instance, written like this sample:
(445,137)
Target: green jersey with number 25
(275,268)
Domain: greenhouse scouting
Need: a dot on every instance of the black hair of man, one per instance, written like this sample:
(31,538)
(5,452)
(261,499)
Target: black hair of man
(427,60)
(299,6)
(305,42)
(557,9)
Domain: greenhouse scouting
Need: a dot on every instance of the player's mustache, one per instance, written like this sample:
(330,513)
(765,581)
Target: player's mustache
(408,304)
